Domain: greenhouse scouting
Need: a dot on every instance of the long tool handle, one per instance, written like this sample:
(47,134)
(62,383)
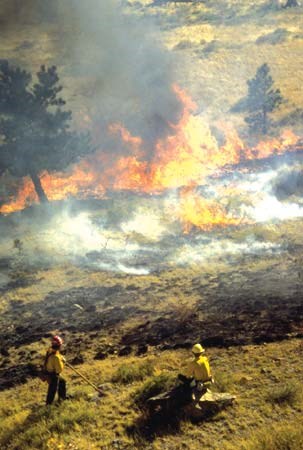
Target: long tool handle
(82,376)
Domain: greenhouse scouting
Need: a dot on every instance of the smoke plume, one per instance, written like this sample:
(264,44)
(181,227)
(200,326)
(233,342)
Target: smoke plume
(289,182)
(131,75)
(111,62)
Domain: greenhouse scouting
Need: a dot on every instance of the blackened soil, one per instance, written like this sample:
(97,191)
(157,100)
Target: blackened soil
(235,308)
(241,308)
(225,327)
(75,310)
(82,316)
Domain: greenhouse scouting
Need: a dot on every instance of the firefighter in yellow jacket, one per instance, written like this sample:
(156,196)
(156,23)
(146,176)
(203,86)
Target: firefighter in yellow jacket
(53,365)
(198,371)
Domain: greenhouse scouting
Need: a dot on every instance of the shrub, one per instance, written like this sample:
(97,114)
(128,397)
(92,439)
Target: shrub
(154,386)
(223,381)
(128,373)
(284,394)
(278,36)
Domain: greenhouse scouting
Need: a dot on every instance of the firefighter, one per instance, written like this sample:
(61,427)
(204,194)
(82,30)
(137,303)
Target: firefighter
(198,372)
(53,365)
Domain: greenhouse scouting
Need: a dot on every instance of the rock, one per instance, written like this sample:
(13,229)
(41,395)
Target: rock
(245,379)
(4,352)
(142,349)
(100,355)
(79,359)
(209,404)
(124,351)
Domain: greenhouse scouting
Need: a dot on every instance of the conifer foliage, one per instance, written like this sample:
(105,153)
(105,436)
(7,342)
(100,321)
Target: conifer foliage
(35,132)
(291,3)
(261,101)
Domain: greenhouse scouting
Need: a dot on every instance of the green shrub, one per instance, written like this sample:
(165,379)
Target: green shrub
(284,394)
(223,381)
(154,386)
(128,373)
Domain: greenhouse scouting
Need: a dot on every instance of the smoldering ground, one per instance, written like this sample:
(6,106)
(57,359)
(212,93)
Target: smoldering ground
(288,183)
(126,76)
(139,234)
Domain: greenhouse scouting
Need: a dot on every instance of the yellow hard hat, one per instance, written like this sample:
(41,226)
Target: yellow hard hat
(197,348)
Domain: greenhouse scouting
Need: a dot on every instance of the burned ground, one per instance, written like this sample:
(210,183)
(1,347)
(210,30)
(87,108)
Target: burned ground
(231,313)
(234,306)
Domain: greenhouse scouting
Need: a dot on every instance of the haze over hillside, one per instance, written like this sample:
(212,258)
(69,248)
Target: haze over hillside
(176,223)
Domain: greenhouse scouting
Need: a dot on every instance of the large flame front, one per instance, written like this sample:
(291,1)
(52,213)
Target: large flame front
(182,159)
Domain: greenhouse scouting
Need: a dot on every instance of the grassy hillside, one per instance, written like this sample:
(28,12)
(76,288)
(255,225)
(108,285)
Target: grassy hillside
(179,304)
(233,302)
(267,414)
(220,45)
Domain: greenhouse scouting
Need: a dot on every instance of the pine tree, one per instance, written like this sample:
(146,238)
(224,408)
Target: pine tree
(291,3)
(35,129)
(262,99)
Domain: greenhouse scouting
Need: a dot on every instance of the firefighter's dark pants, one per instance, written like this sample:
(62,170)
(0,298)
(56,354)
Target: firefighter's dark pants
(56,383)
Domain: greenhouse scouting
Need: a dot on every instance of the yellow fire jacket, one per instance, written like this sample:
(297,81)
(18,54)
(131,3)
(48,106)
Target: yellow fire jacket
(199,369)
(54,361)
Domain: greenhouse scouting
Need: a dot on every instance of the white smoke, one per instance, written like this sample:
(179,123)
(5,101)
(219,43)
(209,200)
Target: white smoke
(270,208)
(146,223)
(199,252)
(126,74)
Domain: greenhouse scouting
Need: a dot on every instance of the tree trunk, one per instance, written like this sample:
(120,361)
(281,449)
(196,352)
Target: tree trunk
(38,188)
(265,122)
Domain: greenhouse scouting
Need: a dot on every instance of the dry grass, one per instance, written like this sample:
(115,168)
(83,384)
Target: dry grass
(287,393)
(217,78)
(253,373)
(218,53)
(279,437)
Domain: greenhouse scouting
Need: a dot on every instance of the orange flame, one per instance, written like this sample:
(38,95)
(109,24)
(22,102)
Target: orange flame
(83,181)
(26,196)
(275,146)
(182,159)
(195,211)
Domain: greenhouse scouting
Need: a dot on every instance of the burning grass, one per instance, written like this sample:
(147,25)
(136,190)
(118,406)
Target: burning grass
(227,285)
